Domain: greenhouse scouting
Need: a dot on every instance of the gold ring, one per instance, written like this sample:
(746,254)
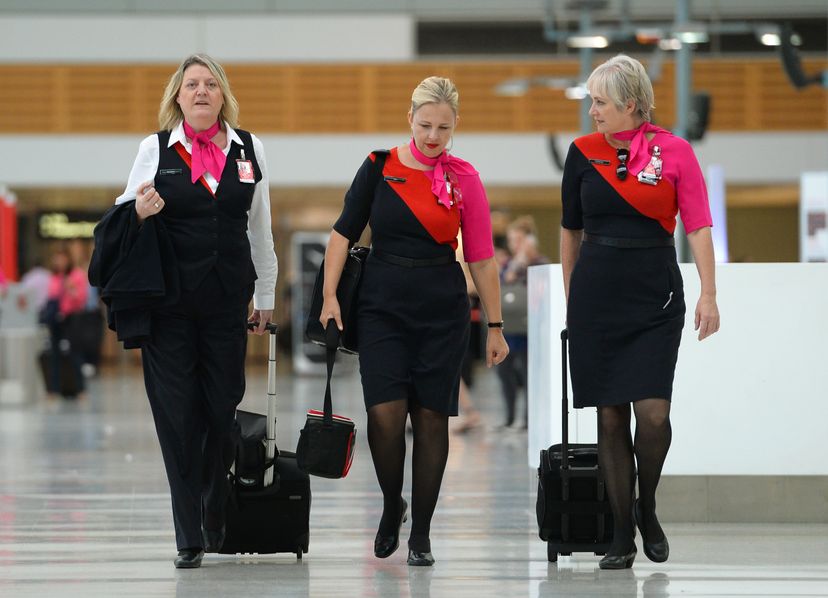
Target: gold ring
(156,205)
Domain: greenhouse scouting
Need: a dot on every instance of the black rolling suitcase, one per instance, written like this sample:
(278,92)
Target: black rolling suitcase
(269,506)
(572,507)
(69,384)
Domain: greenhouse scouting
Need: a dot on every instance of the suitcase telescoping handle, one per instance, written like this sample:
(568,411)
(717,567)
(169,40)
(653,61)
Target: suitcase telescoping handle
(564,402)
(270,433)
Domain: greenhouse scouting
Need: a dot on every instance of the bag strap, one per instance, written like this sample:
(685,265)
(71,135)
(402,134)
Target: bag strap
(331,344)
(564,402)
(379,161)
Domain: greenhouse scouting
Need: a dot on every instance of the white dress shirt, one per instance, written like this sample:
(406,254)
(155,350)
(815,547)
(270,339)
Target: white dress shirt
(258,217)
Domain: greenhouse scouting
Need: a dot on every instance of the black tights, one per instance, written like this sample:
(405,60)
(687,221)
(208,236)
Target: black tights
(618,456)
(386,437)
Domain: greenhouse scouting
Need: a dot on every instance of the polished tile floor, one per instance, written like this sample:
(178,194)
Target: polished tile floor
(84,511)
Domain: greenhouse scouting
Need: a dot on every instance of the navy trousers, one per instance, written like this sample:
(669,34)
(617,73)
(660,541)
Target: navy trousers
(194,376)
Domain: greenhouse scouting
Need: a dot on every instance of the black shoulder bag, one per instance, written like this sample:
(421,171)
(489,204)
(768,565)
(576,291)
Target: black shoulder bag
(347,291)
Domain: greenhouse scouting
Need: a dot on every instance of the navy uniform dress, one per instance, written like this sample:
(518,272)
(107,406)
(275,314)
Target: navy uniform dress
(413,322)
(626,305)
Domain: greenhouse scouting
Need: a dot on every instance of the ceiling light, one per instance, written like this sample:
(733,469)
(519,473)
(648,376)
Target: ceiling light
(670,43)
(770,39)
(576,92)
(582,40)
(692,33)
(768,35)
(648,35)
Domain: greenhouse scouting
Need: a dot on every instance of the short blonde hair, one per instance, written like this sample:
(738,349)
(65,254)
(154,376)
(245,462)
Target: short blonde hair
(170,114)
(623,79)
(435,90)
(524,224)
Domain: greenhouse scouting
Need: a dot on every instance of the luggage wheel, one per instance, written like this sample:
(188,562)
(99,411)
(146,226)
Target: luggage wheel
(299,553)
(551,554)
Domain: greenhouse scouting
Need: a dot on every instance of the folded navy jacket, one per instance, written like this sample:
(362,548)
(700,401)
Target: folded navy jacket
(135,270)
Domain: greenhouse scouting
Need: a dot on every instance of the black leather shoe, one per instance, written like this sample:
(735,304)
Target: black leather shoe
(385,546)
(189,558)
(659,551)
(213,539)
(624,561)
(420,559)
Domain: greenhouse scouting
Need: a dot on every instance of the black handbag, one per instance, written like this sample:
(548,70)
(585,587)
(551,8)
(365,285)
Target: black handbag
(326,443)
(347,293)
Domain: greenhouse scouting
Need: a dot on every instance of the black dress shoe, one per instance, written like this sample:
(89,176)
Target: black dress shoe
(420,559)
(385,546)
(658,551)
(213,539)
(189,558)
(624,561)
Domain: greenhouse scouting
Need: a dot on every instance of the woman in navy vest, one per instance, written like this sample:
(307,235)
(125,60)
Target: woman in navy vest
(207,182)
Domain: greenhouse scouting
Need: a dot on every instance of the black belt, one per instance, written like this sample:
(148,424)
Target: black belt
(410,262)
(626,243)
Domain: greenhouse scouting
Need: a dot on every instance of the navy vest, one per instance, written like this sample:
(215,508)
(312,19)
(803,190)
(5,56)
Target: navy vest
(208,231)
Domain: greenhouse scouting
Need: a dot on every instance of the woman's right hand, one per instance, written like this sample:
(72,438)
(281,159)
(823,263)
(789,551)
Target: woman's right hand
(147,201)
(330,311)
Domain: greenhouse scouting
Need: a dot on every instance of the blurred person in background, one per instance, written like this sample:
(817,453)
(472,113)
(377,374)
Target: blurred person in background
(413,312)
(522,241)
(205,183)
(65,299)
(621,191)
(470,418)
(36,284)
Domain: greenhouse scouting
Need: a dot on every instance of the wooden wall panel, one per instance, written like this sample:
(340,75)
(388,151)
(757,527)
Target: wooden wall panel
(314,98)
(28,99)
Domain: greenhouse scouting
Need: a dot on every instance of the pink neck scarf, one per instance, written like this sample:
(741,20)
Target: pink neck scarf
(438,182)
(639,146)
(207,156)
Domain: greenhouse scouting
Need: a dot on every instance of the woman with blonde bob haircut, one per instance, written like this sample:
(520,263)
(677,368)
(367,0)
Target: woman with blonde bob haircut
(413,314)
(622,189)
(204,182)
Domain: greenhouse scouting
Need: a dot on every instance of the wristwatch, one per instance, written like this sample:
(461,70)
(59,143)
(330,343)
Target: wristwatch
(495,324)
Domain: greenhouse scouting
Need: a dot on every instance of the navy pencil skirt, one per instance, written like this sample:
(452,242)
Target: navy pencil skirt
(413,332)
(625,316)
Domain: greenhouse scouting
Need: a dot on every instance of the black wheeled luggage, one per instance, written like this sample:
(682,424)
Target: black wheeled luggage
(269,506)
(572,507)
(69,384)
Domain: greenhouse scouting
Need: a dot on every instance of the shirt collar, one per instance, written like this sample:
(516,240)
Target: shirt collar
(177,135)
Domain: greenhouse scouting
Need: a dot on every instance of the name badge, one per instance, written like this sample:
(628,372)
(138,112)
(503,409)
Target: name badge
(246,174)
(169,171)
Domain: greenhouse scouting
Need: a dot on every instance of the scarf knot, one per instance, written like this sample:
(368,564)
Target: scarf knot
(439,185)
(639,145)
(207,156)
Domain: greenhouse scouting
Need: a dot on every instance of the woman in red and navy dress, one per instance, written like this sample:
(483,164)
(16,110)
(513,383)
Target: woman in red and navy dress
(413,315)
(622,188)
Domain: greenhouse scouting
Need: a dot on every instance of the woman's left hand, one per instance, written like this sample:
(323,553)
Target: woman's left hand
(707,316)
(496,347)
(262,317)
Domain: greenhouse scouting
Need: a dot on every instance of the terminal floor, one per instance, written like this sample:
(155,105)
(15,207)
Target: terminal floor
(84,511)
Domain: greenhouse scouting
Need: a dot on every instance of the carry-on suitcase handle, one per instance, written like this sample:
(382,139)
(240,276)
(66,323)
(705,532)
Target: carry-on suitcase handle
(270,434)
(564,402)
